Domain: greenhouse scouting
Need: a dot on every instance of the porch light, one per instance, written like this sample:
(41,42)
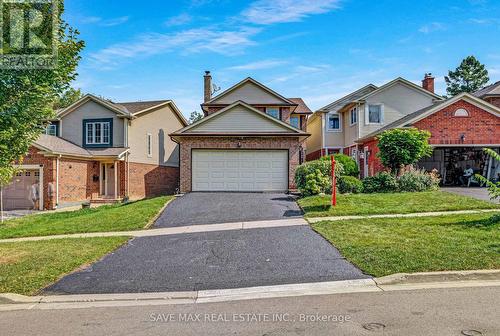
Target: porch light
(462,138)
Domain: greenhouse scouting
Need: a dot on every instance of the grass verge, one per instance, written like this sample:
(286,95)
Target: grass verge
(27,267)
(398,245)
(118,217)
(390,203)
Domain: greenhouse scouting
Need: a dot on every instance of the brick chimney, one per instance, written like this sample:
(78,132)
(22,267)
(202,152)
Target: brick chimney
(428,82)
(207,86)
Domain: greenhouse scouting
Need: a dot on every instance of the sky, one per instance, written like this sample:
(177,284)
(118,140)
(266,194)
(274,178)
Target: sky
(318,50)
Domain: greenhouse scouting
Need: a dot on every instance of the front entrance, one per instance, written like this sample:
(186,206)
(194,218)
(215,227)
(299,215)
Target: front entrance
(109,187)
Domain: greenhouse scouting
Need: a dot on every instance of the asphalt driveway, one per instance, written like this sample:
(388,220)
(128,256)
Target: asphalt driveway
(212,260)
(213,208)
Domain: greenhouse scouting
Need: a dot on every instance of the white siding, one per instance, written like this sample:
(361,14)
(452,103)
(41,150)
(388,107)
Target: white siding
(72,123)
(250,94)
(239,119)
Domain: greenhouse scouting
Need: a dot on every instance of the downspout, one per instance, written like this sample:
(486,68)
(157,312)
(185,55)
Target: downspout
(57,181)
(128,174)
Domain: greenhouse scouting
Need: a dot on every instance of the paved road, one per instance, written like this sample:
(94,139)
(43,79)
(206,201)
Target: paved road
(444,312)
(214,208)
(213,260)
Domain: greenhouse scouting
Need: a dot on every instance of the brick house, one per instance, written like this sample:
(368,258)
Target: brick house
(99,151)
(251,139)
(460,128)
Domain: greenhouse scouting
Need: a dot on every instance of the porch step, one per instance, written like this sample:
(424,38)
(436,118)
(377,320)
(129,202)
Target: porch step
(105,200)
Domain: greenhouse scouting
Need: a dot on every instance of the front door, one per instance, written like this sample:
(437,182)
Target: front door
(108,179)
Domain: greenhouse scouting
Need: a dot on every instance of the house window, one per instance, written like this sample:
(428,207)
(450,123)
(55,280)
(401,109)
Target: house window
(150,145)
(354,115)
(273,112)
(375,114)
(334,122)
(97,132)
(461,113)
(295,122)
(51,130)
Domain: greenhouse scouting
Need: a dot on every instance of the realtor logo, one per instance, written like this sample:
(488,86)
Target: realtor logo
(28,34)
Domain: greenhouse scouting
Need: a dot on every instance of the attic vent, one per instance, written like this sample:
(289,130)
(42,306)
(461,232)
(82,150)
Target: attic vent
(461,113)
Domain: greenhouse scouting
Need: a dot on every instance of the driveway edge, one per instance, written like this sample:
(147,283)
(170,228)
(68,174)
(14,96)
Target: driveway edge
(395,282)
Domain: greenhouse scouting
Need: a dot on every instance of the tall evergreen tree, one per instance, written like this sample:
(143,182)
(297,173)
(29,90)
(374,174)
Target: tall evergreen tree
(469,77)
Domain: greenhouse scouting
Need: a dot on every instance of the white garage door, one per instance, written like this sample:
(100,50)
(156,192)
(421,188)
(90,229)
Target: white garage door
(17,195)
(240,170)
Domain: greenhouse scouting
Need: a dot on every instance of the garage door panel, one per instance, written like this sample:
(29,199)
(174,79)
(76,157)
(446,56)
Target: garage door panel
(240,170)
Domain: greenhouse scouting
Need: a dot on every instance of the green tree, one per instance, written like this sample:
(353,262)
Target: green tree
(67,98)
(402,147)
(28,95)
(469,76)
(493,188)
(195,116)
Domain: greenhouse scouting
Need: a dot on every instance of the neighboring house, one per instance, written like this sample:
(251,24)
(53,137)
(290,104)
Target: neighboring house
(101,151)
(337,127)
(491,94)
(251,139)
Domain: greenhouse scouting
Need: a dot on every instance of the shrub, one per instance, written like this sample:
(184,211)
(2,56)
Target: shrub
(349,185)
(381,183)
(349,164)
(309,171)
(418,180)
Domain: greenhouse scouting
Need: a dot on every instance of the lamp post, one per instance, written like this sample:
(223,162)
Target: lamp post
(334,183)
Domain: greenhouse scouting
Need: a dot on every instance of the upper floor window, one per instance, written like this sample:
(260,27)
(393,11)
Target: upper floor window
(150,144)
(334,122)
(97,132)
(461,113)
(354,115)
(374,114)
(295,122)
(51,130)
(273,112)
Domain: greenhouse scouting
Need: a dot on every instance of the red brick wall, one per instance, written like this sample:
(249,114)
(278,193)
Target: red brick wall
(314,155)
(152,180)
(187,144)
(494,101)
(76,181)
(480,127)
(374,164)
(49,174)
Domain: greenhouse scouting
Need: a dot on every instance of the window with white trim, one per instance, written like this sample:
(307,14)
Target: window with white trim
(51,130)
(334,122)
(374,114)
(273,112)
(150,144)
(97,133)
(354,115)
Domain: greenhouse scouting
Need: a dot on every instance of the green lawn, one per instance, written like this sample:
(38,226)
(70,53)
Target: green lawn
(398,245)
(391,203)
(119,217)
(27,267)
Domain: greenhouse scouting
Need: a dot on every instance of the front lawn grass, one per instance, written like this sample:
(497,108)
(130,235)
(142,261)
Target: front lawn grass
(27,267)
(390,203)
(118,217)
(399,245)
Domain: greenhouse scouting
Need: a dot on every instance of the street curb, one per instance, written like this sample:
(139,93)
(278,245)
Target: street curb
(153,220)
(395,282)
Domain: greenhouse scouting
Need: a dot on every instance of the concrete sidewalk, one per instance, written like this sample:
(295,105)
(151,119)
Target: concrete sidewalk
(172,231)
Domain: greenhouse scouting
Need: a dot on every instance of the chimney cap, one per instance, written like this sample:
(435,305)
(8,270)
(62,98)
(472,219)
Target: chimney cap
(429,75)
(207,73)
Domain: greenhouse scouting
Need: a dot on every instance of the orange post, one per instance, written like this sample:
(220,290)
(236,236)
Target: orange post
(334,183)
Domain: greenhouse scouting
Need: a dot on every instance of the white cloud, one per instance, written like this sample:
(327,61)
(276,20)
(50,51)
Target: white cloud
(179,20)
(266,12)
(227,42)
(265,64)
(432,27)
(105,22)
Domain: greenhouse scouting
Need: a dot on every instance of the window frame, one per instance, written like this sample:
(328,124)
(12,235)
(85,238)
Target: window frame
(298,122)
(51,126)
(274,108)
(149,144)
(367,114)
(353,112)
(92,123)
(328,122)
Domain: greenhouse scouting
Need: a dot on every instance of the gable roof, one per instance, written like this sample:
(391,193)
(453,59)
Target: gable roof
(135,107)
(411,118)
(490,90)
(58,146)
(403,81)
(89,97)
(353,96)
(253,81)
(290,129)
(301,108)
